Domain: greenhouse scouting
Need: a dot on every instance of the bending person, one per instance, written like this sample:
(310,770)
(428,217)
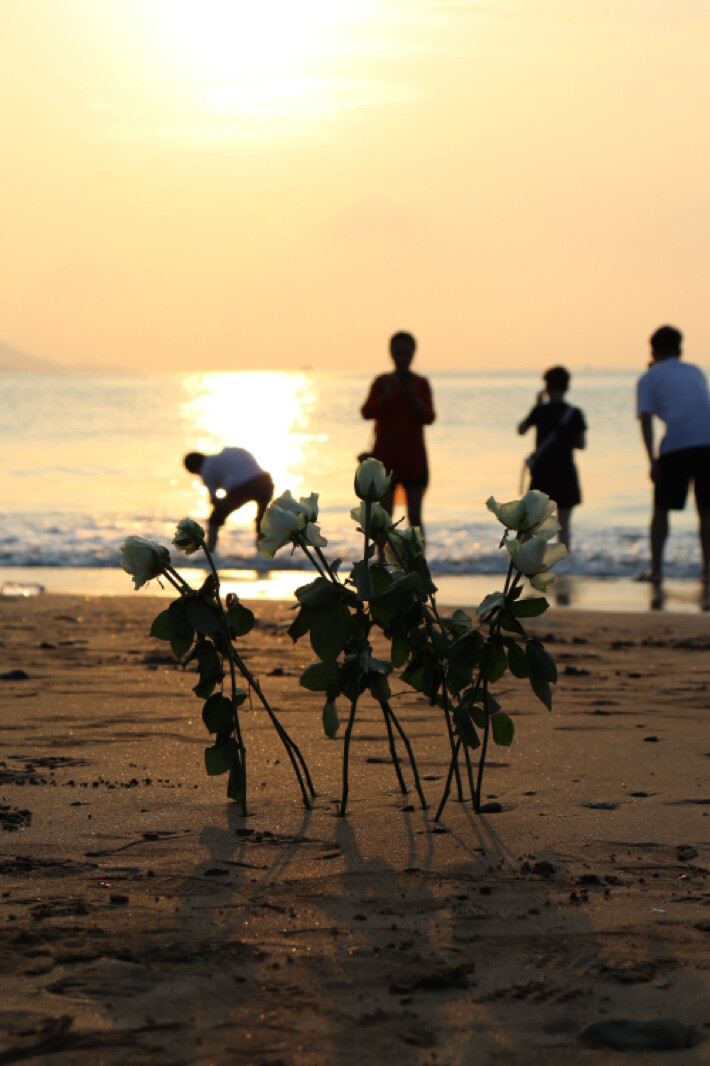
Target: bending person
(560,429)
(400,402)
(237,474)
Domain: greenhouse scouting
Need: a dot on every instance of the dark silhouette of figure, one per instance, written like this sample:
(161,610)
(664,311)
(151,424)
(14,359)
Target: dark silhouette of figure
(401,405)
(560,429)
(677,393)
(236,472)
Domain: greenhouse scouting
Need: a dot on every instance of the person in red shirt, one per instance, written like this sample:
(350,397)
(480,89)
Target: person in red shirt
(401,405)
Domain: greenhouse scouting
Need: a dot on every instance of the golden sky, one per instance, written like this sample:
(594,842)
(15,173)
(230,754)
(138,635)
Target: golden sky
(224,184)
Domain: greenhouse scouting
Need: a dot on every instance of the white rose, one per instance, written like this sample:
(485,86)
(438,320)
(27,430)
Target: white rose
(539,512)
(306,506)
(535,555)
(511,515)
(371,480)
(189,536)
(278,528)
(543,580)
(379,518)
(401,542)
(143,559)
(313,536)
(532,513)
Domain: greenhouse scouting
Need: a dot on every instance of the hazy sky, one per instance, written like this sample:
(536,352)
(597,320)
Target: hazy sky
(229,184)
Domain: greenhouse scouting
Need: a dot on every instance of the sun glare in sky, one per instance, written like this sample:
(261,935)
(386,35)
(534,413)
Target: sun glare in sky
(257,59)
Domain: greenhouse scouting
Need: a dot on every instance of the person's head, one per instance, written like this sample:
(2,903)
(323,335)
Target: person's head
(556,379)
(666,343)
(193,462)
(402,349)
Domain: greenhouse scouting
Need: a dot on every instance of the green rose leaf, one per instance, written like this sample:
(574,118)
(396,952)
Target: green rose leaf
(202,616)
(181,645)
(301,624)
(510,623)
(465,728)
(379,686)
(319,593)
(400,649)
(517,659)
(218,714)
(183,631)
(489,604)
(240,618)
(531,608)
(331,628)
(461,621)
(331,722)
(503,729)
(222,758)
(542,690)
(541,662)
(320,677)
(162,627)
(493,660)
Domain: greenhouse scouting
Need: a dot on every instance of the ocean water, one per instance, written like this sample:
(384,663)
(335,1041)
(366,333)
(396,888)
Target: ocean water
(89,458)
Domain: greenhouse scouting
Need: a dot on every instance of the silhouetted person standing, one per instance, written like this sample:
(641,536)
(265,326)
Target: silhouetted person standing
(401,404)
(677,393)
(236,472)
(560,429)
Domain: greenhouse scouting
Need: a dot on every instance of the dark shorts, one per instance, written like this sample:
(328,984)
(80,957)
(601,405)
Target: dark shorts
(559,482)
(677,470)
(259,488)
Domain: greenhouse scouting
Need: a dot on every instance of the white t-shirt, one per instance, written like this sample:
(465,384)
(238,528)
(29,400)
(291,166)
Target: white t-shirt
(228,470)
(677,393)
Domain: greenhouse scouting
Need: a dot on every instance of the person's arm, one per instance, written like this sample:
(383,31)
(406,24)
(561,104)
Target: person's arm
(421,399)
(372,405)
(646,421)
(580,436)
(526,423)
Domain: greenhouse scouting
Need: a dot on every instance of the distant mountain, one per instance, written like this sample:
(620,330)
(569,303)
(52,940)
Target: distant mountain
(14,361)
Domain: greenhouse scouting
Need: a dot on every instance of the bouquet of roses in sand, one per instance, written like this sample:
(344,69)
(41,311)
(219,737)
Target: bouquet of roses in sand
(448,659)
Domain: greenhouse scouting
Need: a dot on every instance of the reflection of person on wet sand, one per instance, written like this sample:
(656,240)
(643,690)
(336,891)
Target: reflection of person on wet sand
(236,473)
(400,402)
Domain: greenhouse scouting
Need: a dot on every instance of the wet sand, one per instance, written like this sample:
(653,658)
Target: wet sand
(144,920)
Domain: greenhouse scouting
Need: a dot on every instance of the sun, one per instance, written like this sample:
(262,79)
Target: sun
(251,39)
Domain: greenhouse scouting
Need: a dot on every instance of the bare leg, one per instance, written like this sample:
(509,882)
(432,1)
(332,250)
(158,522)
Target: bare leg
(565,515)
(415,497)
(212,531)
(387,502)
(659,535)
(704,516)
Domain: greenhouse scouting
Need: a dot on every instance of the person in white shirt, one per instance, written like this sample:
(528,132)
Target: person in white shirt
(677,393)
(237,474)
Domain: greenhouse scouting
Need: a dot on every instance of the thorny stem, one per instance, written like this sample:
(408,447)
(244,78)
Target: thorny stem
(346,753)
(447,786)
(481,764)
(393,751)
(292,749)
(314,562)
(410,753)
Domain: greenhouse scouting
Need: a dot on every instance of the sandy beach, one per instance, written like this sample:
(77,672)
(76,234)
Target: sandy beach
(144,920)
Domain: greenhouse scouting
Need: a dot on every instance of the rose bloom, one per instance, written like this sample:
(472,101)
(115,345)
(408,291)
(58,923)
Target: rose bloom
(535,555)
(371,480)
(143,559)
(531,514)
(189,536)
